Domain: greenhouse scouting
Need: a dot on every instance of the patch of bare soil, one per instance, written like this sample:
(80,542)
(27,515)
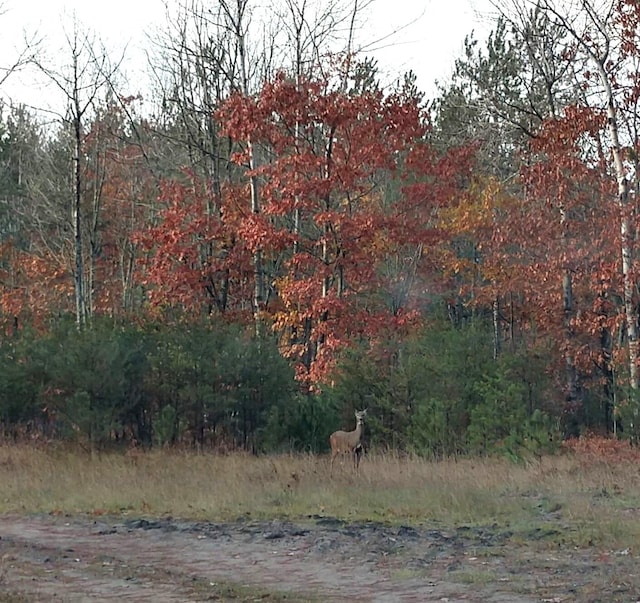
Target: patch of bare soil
(79,559)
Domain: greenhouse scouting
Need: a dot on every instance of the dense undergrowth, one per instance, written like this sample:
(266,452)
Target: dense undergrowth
(436,393)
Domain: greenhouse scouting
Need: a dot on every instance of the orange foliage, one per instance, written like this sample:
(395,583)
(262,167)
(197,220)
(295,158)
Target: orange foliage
(355,263)
(593,447)
(32,287)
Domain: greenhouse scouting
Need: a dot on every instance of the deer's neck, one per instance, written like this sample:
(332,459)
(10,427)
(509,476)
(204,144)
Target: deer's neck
(357,431)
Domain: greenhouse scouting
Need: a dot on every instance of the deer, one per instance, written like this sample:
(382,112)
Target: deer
(348,442)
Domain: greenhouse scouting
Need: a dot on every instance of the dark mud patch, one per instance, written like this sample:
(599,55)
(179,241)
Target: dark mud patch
(72,559)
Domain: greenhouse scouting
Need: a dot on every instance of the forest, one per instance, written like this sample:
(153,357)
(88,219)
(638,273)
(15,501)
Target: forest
(275,236)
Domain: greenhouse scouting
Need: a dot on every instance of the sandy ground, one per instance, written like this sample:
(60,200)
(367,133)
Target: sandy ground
(47,558)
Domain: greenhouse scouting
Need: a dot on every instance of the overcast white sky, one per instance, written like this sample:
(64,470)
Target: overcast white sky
(429,33)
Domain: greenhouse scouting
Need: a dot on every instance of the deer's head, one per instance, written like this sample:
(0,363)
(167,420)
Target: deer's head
(360,415)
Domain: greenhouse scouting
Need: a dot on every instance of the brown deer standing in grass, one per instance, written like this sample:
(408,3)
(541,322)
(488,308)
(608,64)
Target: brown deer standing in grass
(348,442)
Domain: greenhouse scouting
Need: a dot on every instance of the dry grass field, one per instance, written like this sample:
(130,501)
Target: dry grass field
(596,499)
(188,527)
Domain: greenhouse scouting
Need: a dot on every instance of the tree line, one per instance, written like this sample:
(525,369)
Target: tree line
(217,387)
(285,238)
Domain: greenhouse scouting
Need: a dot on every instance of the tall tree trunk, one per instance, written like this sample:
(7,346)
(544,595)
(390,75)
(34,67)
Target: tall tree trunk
(326,232)
(626,232)
(88,74)
(571,374)
(258,270)
(497,334)
(77,215)
(235,16)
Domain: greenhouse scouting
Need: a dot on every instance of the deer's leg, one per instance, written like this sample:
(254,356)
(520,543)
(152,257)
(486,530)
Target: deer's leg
(357,455)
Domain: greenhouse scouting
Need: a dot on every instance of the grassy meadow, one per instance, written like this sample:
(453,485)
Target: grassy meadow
(575,499)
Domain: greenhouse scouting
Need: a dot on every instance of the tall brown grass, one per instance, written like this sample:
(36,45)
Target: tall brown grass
(598,500)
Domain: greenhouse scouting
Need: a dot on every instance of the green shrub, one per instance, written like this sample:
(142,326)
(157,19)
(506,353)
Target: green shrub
(441,393)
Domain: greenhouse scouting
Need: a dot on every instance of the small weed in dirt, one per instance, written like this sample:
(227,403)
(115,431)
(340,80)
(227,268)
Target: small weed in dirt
(468,576)
(234,593)
(13,598)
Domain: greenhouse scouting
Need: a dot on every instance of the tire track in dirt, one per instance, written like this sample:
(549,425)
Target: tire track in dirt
(78,559)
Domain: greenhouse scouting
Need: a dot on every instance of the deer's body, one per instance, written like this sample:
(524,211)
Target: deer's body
(348,442)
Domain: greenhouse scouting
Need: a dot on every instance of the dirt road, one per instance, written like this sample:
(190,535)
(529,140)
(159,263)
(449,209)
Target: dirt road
(74,559)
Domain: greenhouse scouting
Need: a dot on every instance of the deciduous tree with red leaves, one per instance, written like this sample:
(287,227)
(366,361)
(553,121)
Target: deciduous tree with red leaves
(347,181)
